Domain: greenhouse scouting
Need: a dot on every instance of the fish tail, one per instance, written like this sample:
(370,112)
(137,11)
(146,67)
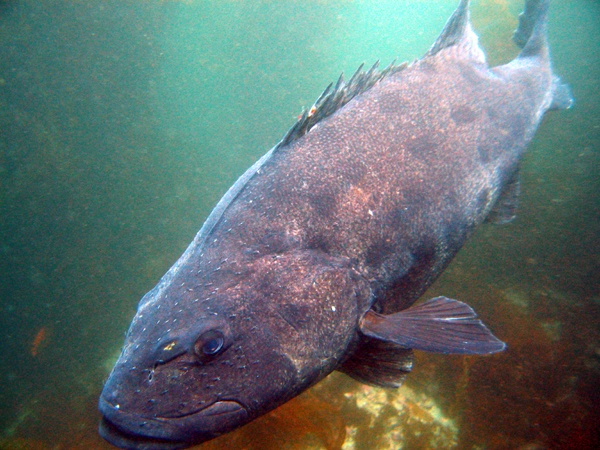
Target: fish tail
(531,36)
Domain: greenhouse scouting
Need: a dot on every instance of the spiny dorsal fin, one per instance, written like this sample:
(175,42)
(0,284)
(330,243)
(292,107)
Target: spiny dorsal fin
(332,99)
(335,97)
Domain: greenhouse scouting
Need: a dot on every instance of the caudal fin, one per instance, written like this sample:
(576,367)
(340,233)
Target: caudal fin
(531,33)
(532,37)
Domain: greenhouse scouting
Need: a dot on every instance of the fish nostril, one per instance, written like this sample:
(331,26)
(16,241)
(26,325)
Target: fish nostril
(151,373)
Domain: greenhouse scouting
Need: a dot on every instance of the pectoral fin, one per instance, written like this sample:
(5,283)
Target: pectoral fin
(440,325)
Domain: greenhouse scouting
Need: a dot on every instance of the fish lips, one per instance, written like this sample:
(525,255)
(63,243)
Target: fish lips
(131,431)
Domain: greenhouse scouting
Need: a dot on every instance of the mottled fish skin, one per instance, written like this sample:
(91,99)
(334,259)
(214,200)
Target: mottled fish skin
(362,212)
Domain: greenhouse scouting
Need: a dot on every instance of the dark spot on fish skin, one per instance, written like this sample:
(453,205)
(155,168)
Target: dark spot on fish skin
(492,114)
(424,146)
(484,153)
(397,216)
(378,252)
(463,115)
(294,315)
(318,242)
(325,204)
(409,285)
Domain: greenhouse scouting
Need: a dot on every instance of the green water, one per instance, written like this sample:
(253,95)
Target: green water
(123,122)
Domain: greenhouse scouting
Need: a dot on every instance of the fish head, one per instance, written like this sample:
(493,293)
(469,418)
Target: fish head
(197,365)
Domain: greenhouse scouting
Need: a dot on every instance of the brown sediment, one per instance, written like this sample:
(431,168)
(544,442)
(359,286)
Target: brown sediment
(304,422)
(537,392)
(57,418)
(540,393)
(20,443)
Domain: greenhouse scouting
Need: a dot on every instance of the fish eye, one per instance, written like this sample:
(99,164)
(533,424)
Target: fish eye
(209,343)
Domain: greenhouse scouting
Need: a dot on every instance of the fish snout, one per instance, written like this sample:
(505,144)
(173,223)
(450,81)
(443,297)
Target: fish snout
(132,431)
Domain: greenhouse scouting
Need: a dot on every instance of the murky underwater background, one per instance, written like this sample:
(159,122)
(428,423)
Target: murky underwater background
(123,122)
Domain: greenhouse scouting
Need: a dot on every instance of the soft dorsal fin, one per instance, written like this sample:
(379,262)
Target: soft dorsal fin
(459,34)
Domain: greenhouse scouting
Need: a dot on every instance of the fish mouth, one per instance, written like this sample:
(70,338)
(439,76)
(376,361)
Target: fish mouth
(131,431)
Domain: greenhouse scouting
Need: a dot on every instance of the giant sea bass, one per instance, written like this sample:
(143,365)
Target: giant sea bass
(314,258)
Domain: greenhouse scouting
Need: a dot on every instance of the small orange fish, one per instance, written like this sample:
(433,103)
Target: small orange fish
(38,340)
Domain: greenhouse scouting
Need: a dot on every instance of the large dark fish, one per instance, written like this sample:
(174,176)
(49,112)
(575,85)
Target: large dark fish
(312,261)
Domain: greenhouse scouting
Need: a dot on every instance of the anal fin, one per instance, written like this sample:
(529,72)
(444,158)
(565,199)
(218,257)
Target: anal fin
(505,208)
(440,325)
(379,363)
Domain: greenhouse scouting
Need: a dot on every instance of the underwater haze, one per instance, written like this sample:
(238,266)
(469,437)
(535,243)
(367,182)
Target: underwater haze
(123,122)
